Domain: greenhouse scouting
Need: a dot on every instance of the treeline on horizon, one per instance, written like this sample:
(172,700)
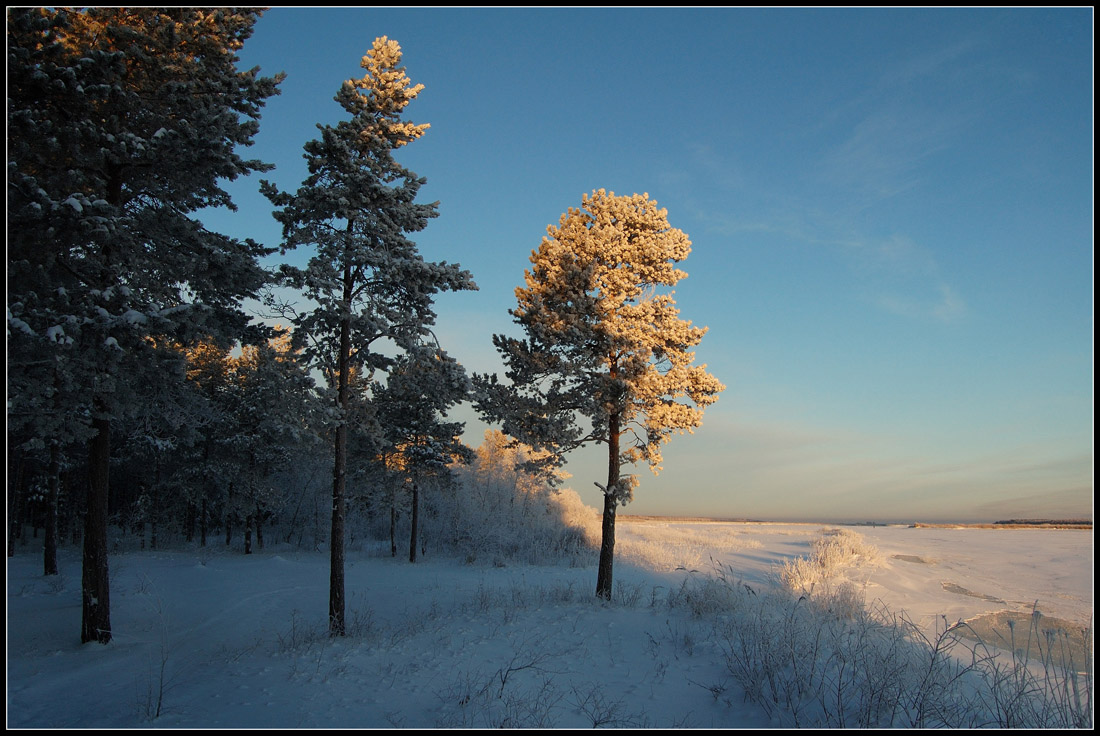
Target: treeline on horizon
(1047,522)
(1015,523)
(1070,523)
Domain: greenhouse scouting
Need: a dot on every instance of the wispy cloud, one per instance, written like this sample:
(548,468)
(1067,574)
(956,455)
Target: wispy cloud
(884,142)
(884,153)
(947,306)
(951,307)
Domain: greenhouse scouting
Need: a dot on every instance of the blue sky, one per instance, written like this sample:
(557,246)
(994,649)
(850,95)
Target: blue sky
(890,210)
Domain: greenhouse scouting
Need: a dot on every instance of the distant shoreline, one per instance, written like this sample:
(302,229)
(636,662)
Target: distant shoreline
(1019,524)
(1071,524)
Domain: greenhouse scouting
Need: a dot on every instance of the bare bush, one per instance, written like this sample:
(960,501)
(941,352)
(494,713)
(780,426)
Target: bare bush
(827,660)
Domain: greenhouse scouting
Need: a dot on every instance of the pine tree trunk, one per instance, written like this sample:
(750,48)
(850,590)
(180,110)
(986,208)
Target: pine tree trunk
(339,471)
(75,498)
(15,495)
(607,545)
(393,525)
(259,529)
(202,523)
(65,508)
(228,516)
(49,547)
(96,610)
(250,493)
(154,507)
(415,521)
(189,522)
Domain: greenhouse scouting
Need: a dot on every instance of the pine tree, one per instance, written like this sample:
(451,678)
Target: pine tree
(602,343)
(410,409)
(270,398)
(367,282)
(209,367)
(122,123)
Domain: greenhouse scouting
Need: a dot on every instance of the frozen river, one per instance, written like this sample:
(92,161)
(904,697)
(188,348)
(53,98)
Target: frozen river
(928,572)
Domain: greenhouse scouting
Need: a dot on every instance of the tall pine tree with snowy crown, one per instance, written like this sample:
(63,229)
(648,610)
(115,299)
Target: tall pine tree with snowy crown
(602,343)
(369,287)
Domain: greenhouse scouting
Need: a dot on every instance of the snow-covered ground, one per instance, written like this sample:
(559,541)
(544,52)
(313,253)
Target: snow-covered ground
(214,639)
(921,570)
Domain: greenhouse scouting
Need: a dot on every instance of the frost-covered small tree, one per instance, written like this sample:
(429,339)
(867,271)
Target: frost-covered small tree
(604,343)
(411,410)
(122,123)
(369,286)
(205,466)
(271,394)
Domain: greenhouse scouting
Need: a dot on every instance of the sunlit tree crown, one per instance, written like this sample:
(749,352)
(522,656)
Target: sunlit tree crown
(604,336)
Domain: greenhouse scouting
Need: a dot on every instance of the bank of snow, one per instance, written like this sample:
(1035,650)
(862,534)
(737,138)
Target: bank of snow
(223,640)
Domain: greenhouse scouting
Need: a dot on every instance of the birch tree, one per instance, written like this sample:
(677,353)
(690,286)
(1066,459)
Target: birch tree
(370,288)
(606,358)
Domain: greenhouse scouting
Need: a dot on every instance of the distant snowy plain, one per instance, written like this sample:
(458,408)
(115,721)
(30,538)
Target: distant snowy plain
(209,638)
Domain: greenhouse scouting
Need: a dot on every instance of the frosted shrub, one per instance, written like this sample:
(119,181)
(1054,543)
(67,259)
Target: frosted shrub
(832,663)
(828,660)
(831,553)
(498,513)
(711,595)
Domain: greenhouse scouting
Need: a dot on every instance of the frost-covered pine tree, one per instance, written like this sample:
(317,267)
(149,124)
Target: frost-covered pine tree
(368,285)
(604,343)
(122,122)
(207,463)
(411,409)
(271,394)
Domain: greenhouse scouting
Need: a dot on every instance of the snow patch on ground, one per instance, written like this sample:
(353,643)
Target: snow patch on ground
(211,639)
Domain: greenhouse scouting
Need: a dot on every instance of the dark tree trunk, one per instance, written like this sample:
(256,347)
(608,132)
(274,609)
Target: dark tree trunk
(250,493)
(96,611)
(607,545)
(259,519)
(49,546)
(77,501)
(228,515)
(202,523)
(154,507)
(95,585)
(15,494)
(189,522)
(414,521)
(340,462)
(65,509)
(393,525)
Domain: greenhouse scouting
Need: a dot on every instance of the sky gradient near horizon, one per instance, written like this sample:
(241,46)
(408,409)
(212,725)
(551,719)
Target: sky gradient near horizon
(890,210)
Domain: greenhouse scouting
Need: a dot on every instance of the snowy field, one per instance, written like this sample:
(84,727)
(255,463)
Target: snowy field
(214,639)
